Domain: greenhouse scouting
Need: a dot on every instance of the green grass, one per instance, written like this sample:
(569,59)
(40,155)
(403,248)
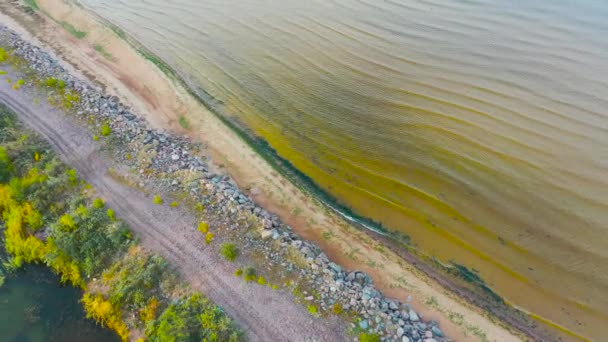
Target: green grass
(32,4)
(70,28)
(184,122)
(103,52)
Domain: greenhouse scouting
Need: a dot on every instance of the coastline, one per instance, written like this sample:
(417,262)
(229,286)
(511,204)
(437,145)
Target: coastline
(225,147)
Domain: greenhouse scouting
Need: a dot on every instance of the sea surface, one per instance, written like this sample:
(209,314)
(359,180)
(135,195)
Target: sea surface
(478,128)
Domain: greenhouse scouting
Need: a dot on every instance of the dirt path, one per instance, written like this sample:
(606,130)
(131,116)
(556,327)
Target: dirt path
(265,315)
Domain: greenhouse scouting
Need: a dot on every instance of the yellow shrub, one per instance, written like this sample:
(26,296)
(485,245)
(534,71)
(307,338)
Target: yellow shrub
(149,312)
(105,314)
(208,238)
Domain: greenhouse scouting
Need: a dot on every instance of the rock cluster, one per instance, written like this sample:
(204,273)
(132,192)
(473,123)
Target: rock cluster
(167,154)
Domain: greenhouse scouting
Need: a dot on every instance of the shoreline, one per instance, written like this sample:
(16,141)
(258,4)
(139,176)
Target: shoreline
(315,235)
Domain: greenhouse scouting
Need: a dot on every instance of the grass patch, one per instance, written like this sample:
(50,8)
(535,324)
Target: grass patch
(73,31)
(183,122)
(32,4)
(103,52)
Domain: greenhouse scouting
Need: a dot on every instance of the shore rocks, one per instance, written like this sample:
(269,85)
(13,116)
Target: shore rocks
(163,155)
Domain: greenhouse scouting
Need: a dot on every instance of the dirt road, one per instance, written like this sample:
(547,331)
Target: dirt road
(264,314)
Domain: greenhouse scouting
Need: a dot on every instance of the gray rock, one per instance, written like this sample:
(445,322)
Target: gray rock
(413,316)
(363,324)
(437,332)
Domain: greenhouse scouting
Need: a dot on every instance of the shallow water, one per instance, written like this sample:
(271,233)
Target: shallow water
(477,128)
(34,307)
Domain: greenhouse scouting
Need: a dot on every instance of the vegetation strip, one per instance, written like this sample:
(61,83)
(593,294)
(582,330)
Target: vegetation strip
(49,216)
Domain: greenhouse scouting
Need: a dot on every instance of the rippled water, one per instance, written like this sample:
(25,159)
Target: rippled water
(479,128)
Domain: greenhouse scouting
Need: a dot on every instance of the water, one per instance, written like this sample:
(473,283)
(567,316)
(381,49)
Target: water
(34,307)
(478,128)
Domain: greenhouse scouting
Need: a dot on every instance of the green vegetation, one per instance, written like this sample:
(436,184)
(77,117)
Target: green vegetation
(70,28)
(98,203)
(32,4)
(158,200)
(183,122)
(3,55)
(102,51)
(89,247)
(192,319)
(337,308)
(261,280)
(365,337)
(203,227)
(229,251)
(174,204)
(208,237)
(312,309)
(105,130)
(250,274)
(238,272)
(95,137)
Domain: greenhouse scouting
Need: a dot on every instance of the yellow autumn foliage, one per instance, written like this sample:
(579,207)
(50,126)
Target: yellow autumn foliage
(104,313)
(148,313)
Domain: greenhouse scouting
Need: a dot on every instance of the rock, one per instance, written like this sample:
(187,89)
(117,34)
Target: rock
(413,316)
(405,339)
(400,331)
(437,332)
(266,234)
(174,157)
(363,324)
(335,267)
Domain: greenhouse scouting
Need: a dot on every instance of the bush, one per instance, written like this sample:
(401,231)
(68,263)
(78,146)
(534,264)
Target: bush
(174,204)
(238,272)
(98,203)
(3,55)
(229,251)
(111,215)
(192,319)
(203,227)
(312,309)
(105,130)
(337,308)
(208,237)
(95,137)
(261,280)
(105,314)
(250,274)
(158,200)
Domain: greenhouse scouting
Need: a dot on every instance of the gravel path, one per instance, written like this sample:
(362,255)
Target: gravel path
(264,314)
